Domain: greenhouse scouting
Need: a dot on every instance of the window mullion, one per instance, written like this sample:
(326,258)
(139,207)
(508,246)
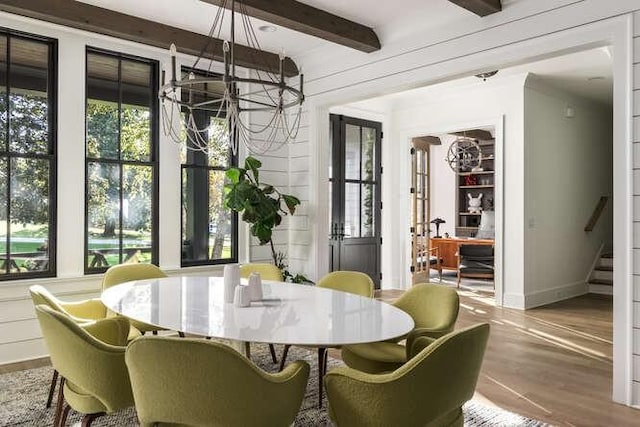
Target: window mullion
(120,166)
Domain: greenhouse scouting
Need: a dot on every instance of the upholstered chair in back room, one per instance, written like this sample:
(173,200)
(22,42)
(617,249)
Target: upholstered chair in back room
(428,390)
(434,309)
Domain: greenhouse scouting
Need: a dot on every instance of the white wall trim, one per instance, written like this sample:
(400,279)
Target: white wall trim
(558,293)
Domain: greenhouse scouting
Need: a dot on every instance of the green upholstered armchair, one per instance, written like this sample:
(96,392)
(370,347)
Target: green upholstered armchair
(267,272)
(353,282)
(428,390)
(80,311)
(127,272)
(95,380)
(434,309)
(205,383)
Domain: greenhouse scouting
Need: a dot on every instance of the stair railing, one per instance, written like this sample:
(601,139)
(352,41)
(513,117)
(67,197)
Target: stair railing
(597,212)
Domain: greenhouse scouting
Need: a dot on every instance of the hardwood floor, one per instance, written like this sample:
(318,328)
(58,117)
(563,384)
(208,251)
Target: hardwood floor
(552,363)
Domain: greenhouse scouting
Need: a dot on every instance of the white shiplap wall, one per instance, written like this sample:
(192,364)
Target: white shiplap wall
(334,77)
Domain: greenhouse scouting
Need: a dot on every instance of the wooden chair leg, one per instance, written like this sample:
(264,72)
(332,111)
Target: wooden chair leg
(274,358)
(322,354)
(52,388)
(283,359)
(65,414)
(247,349)
(59,403)
(89,418)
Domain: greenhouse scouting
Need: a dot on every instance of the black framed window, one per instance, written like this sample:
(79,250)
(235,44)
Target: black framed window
(209,230)
(28,104)
(121,160)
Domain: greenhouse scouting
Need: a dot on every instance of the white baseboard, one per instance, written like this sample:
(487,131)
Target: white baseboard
(556,294)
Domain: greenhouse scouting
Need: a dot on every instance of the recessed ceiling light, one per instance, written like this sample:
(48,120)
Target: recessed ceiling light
(592,79)
(267,28)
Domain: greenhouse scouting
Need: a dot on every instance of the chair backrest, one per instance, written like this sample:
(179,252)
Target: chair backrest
(96,368)
(126,272)
(431,306)
(354,282)
(429,389)
(266,271)
(477,252)
(40,295)
(195,382)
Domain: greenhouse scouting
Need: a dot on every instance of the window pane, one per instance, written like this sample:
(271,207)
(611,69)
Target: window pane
(219,152)
(195,214)
(367,216)
(29,214)
(102,106)
(352,152)
(352,210)
(103,199)
(136,213)
(102,129)
(3,94)
(28,103)
(368,153)
(216,133)
(136,133)
(219,218)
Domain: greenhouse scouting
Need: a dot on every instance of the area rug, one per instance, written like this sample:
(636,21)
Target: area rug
(23,395)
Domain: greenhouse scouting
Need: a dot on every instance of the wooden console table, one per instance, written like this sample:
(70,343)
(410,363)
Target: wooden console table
(449,249)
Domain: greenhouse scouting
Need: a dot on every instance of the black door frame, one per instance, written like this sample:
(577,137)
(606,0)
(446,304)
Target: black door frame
(337,183)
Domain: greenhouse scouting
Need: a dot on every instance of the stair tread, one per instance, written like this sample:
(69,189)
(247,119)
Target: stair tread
(601,282)
(606,256)
(604,268)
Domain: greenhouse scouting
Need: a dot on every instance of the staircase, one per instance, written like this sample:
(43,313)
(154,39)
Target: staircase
(601,279)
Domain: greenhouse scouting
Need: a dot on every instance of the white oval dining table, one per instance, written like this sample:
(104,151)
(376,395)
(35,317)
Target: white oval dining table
(287,314)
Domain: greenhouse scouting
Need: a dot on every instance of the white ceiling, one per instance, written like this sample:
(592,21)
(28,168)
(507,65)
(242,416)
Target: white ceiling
(389,19)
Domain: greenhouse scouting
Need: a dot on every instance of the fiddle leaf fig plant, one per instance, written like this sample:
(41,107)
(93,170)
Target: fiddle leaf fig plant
(260,205)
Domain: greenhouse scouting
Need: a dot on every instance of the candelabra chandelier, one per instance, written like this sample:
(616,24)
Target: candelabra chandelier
(229,98)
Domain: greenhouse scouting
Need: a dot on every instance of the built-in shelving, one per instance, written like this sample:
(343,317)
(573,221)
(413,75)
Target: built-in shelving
(475,182)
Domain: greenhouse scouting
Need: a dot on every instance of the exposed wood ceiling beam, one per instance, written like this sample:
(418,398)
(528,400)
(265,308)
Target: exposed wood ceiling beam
(309,20)
(104,21)
(480,7)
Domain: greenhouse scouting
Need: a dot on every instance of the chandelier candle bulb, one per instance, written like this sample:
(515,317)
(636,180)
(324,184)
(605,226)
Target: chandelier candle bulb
(172,51)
